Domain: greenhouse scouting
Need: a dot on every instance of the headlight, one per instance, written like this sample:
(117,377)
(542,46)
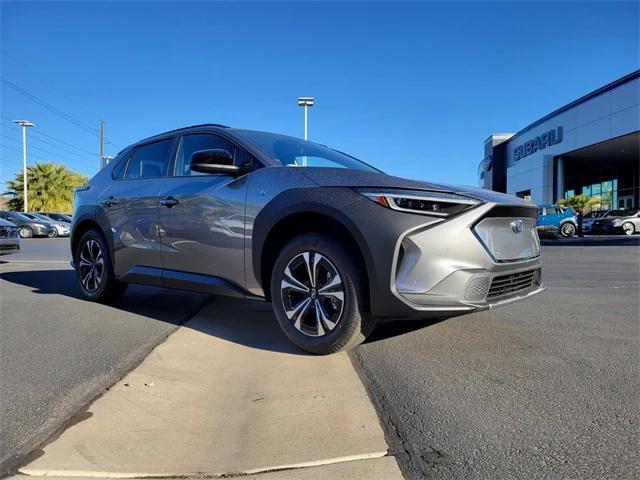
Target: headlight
(436,204)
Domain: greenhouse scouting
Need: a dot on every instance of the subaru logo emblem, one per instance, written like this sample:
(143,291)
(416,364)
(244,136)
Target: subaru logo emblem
(517,226)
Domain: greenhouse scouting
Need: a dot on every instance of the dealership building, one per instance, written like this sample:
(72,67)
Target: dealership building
(590,146)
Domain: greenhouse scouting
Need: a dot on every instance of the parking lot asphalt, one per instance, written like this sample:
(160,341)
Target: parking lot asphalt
(543,388)
(58,352)
(547,387)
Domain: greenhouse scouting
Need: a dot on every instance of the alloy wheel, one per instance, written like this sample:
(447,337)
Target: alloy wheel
(25,232)
(568,229)
(91,265)
(312,294)
(628,228)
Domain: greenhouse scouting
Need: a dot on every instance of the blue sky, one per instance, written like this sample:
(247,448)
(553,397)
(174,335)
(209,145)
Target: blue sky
(413,88)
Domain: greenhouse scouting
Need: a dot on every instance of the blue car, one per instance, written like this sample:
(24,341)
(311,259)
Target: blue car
(555,220)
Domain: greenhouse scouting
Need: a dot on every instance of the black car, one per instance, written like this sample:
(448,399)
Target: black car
(28,227)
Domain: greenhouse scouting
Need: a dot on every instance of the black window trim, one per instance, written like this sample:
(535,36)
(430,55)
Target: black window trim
(167,162)
(174,155)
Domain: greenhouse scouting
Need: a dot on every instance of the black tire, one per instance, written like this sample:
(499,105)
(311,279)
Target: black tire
(352,324)
(108,289)
(25,232)
(628,228)
(53,234)
(567,229)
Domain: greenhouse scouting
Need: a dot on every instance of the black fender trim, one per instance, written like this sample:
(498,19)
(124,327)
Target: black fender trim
(328,201)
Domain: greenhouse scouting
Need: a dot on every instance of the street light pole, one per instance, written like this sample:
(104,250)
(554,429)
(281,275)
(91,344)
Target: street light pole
(306,102)
(24,124)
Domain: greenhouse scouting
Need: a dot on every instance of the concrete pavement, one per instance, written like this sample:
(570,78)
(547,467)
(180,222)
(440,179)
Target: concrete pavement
(57,352)
(227,394)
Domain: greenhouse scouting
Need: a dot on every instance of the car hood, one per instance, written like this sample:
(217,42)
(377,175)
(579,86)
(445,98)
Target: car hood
(341,177)
(6,223)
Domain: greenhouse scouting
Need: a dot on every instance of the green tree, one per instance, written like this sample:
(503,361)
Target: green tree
(581,204)
(50,188)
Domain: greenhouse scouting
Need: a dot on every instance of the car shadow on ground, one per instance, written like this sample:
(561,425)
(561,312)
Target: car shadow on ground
(246,322)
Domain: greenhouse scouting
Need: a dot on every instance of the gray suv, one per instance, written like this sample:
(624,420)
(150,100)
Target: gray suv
(333,243)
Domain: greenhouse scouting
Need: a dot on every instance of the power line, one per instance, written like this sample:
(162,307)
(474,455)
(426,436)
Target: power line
(52,109)
(76,154)
(48,106)
(39,131)
(54,155)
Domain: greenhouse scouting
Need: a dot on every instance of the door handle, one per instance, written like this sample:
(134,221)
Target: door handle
(109,202)
(168,202)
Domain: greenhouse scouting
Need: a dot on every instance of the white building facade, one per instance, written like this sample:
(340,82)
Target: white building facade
(590,146)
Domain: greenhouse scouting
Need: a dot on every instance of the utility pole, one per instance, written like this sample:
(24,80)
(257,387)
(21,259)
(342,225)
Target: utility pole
(101,143)
(24,124)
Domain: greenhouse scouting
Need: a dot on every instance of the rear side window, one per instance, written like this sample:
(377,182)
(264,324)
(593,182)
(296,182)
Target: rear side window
(121,163)
(194,143)
(150,160)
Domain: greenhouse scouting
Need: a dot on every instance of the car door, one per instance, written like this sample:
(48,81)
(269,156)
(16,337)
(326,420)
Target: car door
(202,216)
(130,204)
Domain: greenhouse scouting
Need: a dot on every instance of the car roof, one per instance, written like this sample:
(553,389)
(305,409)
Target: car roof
(160,136)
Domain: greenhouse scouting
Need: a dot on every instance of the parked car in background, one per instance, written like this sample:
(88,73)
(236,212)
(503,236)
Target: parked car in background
(589,218)
(556,220)
(333,243)
(9,238)
(622,221)
(62,229)
(617,221)
(28,227)
(58,217)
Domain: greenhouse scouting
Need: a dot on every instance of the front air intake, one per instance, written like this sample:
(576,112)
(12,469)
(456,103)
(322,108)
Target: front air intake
(512,284)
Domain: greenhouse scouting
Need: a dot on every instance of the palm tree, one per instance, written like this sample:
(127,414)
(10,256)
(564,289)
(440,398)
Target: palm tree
(581,204)
(50,188)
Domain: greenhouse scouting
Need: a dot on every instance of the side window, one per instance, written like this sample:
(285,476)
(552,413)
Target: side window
(120,164)
(149,160)
(195,143)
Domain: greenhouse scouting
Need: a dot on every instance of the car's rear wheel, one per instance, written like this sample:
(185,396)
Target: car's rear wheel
(53,233)
(628,228)
(94,270)
(318,295)
(25,232)
(568,229)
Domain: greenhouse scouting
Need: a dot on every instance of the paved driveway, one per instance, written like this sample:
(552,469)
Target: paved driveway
(547,387)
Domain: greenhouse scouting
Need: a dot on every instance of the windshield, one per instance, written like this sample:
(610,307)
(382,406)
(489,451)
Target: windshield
(21,216)
(294,152)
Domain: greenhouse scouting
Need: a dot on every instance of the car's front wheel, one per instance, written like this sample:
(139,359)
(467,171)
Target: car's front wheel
(318,295)
(628,228)
(94,270)
(568,229)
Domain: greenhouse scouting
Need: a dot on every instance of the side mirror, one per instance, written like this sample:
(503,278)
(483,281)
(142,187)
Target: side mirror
(215,160)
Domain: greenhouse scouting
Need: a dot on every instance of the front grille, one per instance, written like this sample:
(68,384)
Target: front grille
(6,248)
(8,232)
(506,285)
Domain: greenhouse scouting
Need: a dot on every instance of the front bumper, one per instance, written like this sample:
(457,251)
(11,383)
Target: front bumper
(9,245)
(421,267)
(42,231)
(468,263)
